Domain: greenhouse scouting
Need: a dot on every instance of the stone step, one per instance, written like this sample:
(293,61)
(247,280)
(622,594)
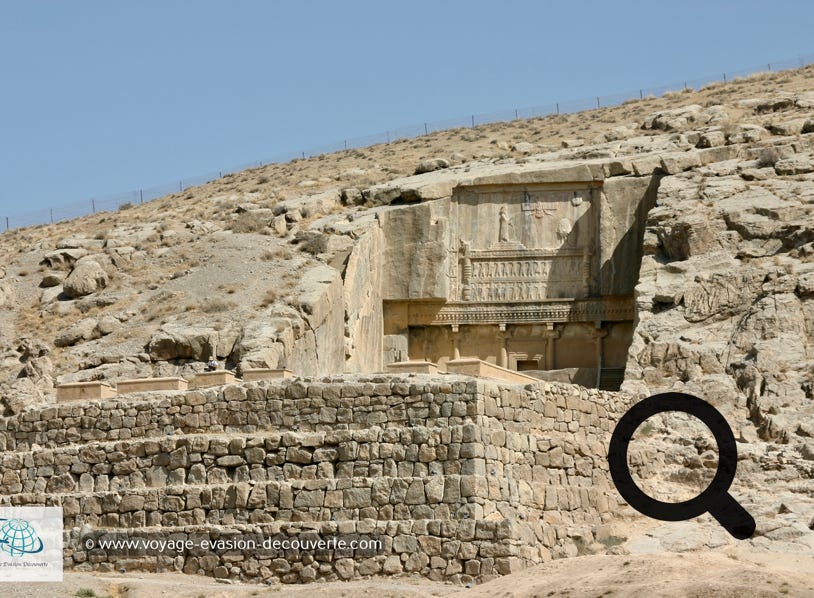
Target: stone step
(308,406)
(458,550)
(201,459)
(325,407)
(284,436)
(438,497)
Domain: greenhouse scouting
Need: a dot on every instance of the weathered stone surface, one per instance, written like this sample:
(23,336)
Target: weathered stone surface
(176,340)
(524,147)
(796,165)
(52,279)
(431,164)
(86,277)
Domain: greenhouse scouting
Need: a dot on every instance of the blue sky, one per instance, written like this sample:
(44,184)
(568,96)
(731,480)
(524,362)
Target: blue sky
(100,97)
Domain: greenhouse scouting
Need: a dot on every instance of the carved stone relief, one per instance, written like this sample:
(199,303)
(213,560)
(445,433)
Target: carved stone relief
(541,248)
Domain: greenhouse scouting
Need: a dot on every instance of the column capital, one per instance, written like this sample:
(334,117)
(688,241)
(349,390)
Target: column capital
(551,331)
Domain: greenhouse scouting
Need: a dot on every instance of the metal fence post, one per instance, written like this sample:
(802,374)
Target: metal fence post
(93,205)
(597,102)
(140,196)
(473,121)
(558,107)
(6,223)
(425,128)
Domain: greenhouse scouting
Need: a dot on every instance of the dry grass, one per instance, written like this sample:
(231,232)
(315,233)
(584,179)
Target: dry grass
(216,305)
(231,288)
(248,223)
(269,298)
(281,254)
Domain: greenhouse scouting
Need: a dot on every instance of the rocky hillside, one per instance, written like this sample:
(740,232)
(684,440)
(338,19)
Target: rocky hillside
(249,267)
(278,267)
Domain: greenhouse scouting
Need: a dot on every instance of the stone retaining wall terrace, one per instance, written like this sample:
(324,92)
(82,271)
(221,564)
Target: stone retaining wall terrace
(462,479)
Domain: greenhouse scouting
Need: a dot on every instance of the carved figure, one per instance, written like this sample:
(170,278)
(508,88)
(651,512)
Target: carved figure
(503,227)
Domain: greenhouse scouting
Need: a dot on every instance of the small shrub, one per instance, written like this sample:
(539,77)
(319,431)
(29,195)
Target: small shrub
(314,244)
(647,429)
(230,289)
(248,223)
(126,205)
(269,298)
(768,157)
(216,304)
(283,253)
(85,593)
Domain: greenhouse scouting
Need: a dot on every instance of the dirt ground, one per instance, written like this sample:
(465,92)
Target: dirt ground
(741,574)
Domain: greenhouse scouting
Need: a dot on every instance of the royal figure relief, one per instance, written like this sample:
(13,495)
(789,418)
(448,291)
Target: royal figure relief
(503,226)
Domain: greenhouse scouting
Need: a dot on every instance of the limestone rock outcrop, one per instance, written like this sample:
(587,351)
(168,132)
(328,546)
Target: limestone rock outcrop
(723,295)
(86,277)
(195,341)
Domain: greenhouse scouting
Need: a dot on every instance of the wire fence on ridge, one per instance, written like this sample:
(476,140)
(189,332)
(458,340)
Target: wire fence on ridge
(126,199)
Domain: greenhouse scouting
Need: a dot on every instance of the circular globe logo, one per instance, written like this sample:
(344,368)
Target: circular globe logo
(17,537)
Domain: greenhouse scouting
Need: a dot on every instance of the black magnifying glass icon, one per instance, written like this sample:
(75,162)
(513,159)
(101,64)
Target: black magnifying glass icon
(715,499)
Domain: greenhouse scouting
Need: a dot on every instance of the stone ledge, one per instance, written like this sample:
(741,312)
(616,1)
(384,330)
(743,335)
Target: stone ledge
(415,367)
(151,384)
(216,378)
(81,391)
(483,369)
(265,374)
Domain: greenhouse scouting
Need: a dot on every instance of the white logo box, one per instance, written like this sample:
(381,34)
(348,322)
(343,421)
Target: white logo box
(30,544)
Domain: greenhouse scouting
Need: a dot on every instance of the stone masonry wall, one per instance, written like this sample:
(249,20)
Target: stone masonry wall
(460,479)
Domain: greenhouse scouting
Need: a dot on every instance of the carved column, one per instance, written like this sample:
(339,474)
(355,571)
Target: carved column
(586,272)
(550,334)
(503,360)
(456,343)
(598,334)
(466,272)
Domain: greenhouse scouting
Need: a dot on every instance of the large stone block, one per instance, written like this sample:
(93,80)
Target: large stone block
(216,378)
(251,374)
(483,369)
(83,391)
(417,367)
(151,385)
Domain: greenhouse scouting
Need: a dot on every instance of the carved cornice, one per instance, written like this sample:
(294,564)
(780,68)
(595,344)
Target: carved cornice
(613,309)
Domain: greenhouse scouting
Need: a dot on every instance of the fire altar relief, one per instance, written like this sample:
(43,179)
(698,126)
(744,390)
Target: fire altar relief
(522,245)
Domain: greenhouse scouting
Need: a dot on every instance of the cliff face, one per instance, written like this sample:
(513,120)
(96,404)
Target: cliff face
(725,297)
